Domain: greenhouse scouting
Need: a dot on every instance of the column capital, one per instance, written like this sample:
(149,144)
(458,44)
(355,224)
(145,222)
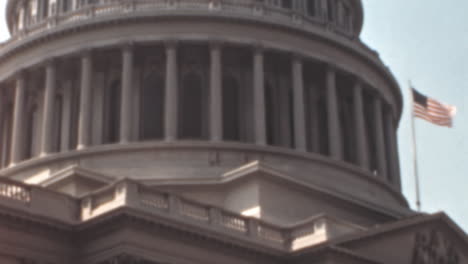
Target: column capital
(171,43)
(258,47)
(297,57)
(50,61)
(332,67)
(127,45)
(85,52)
(216,43)
(358,81)
(20,74)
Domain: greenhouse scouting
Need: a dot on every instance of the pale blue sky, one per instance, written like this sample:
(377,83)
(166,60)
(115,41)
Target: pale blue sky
(425,41)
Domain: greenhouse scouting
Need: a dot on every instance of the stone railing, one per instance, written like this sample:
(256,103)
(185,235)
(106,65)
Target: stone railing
(15,191)
(250,9)
(168,208)
(131,194)
(38,201)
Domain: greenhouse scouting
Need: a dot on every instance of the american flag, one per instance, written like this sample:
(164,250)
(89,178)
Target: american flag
(433,111)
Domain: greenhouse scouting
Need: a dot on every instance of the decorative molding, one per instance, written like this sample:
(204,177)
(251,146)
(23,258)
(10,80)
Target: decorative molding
(433,247)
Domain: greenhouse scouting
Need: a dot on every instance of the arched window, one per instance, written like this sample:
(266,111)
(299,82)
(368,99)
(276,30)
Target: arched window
(112,112)
(231,118)
(191,107)
(152,108)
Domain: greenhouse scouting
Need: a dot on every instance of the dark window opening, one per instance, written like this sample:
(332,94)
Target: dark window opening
(192,107)
(323,125)
(152,108)
(30,127)
(311,7)
(286,4)
(231,118)
(330,10)
(112,113)
(369,116)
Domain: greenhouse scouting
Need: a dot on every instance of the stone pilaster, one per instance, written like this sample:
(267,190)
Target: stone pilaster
(48,115)
(259,97)
(17,148)
(84,122)
(126,97)
(216,90)
(299,106)
(171,102)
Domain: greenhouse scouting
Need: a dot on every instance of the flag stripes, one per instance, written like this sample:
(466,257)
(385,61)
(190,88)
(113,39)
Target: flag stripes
(432,111)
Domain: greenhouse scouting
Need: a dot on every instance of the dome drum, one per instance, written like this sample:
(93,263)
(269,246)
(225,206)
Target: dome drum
(176,91)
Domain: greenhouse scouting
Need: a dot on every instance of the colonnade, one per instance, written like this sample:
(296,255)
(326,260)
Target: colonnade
(370,144)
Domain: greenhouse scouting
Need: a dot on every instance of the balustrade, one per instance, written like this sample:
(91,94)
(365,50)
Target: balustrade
(191,212)
(15,191)
(130,194)
(27,23)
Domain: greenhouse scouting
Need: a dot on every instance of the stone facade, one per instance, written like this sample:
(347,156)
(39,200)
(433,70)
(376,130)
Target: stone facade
(203,131)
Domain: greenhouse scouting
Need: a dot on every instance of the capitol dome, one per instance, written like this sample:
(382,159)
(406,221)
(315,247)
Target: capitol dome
(190,94)
(203,131)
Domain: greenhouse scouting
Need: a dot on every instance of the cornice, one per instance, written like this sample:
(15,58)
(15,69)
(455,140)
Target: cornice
(199,145)
(266,171)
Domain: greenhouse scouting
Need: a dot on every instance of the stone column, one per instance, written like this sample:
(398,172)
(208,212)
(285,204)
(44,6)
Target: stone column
(17,148)
(84,122)
(362,150)
(393,149)
(380,139)
(126,96)
(259,97)
(334,128)
(48,114)
(170,118)
(216,91)
(66,116)
(299,106)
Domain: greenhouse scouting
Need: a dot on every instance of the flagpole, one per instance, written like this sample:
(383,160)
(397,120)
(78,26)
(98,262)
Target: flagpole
(415,152)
